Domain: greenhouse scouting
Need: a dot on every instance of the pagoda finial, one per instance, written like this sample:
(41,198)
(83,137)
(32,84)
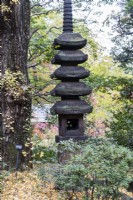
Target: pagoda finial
(67,21)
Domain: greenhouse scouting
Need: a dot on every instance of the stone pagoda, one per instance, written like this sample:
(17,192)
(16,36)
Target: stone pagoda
(71,108)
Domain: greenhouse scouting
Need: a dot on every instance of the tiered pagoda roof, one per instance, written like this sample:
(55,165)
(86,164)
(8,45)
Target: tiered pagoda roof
(70,89)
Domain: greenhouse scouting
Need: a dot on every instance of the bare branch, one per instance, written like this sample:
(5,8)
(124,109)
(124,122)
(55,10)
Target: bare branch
(33,32)
(34,55)
(40,4)
(53,27)
(42,97)
(33,66)
(45,12)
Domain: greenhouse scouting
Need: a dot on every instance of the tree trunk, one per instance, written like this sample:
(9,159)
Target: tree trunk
(15,98)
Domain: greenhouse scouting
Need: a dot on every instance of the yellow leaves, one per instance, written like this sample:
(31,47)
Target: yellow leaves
(14,187)
(26,186)
(8,121)
(13,76)
(4,8)
(15,85)
(24,153)
(41,154)
(15,1)
(27,144)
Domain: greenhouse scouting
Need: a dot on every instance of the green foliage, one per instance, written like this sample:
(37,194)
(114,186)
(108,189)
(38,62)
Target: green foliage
(43,32)
(129,4)
(41,51)
(123,48)
(92,47)
(109,84)
(42,153)
(97,167)
(122,127)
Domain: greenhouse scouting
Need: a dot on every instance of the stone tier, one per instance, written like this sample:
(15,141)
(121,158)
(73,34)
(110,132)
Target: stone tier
(71,107)
(70,57)
(74,138)
(70,41)
(70,72)
(71,89)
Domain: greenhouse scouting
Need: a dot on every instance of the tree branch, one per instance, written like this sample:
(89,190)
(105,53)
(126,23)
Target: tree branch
(33,32)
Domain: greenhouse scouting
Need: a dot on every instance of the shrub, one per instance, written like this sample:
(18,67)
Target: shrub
(98,167)
(122,127)
(41,152)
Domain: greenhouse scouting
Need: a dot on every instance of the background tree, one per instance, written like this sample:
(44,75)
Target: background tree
(121,127)
(15,98)
(123,50)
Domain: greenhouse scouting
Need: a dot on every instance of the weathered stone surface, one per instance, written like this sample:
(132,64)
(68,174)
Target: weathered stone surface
(70,41)
(74,138)
(70,72)
(71,88)
(67,56)
(71,107)
(67,16)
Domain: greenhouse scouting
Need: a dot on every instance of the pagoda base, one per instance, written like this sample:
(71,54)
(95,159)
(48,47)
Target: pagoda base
(65,156)
(74,138)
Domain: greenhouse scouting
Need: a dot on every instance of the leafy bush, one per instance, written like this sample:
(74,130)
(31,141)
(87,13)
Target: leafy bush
(122,127)
(42,152)
(98,167)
